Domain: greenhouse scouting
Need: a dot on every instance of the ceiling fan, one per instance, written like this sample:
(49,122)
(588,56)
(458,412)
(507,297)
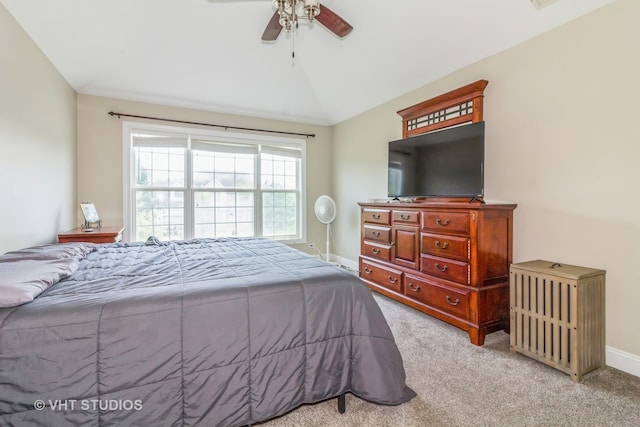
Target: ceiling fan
(287,14)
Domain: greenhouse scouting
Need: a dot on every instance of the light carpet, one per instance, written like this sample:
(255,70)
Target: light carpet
(459,384)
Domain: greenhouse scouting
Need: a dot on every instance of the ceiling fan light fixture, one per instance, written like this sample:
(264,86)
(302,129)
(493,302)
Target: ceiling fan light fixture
(311,9)
(287,11)
(287,14)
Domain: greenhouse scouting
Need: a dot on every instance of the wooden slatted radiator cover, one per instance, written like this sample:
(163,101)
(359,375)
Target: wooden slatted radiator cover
(557,315)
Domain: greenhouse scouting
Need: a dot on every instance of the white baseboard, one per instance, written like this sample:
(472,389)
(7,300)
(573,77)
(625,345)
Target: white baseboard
(618,359)
(627,362)
(352,265)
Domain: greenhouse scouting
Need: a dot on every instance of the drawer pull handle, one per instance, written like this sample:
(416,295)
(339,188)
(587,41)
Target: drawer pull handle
(392,279)
(414,288)
(443,223)
(375,233)
(456,302)
(376,251)
(368,270)
(441,246)
(443,268)
(405,216)
(376,216)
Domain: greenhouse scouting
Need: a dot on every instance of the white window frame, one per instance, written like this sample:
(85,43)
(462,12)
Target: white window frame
(220,136)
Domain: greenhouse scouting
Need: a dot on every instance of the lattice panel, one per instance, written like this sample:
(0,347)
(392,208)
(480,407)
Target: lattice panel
(461,105)
(439,116)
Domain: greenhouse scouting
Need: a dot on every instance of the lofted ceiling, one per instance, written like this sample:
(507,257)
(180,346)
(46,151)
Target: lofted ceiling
(209,54)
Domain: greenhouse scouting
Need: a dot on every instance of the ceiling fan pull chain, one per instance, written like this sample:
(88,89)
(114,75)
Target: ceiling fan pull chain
(293,43)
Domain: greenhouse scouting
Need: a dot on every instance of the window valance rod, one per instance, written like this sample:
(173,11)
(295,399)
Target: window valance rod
(225,127)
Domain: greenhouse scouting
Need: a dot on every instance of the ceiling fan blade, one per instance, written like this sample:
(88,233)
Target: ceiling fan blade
(333,22)
(273,29)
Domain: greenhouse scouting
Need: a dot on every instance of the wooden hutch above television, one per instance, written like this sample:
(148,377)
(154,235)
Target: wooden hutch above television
(447,257)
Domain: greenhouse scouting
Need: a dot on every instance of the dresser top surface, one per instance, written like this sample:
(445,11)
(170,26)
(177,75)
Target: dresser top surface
(439,203)
(106,230)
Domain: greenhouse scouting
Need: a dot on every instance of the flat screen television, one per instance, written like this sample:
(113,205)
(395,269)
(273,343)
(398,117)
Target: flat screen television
(445,163)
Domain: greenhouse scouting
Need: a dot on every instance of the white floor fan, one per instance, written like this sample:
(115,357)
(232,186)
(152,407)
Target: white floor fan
(325,210)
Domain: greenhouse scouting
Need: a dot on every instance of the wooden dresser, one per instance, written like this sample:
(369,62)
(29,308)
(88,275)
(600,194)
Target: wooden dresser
(447,258)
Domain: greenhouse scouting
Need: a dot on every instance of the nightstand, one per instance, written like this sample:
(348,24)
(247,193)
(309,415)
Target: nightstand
(104,234)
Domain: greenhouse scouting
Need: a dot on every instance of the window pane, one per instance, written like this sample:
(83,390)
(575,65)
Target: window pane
(279,172)
(290,168)
(290,182)
(202,161)
(278,182)
(160,214)
(204,216)
(278,165)
(203,180)
(176,179)
(224,162)
(158,166)
(205,230)
(225,180)
(244,214)
(267,199)
(225,230)
(244,180)
(267,182)
(176,162)
(279,199)
(244,165)
(204,199)
(244,199)
(280,214)
(223,214)
(266,165)
(160,178)
(160,160)
(245,229)
(225,199)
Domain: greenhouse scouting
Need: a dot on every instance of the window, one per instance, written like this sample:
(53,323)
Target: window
(182,184)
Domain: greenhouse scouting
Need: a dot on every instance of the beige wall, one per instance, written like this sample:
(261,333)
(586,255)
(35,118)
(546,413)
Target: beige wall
(100,157)
(562,141)
(37,143)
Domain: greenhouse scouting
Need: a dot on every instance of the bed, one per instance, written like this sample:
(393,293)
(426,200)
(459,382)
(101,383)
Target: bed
(216,332)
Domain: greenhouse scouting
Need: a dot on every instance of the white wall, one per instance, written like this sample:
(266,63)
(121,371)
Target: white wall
(37,143)
(562,141)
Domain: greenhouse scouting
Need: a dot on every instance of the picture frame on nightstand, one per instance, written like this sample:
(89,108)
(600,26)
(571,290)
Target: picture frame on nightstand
(91,217)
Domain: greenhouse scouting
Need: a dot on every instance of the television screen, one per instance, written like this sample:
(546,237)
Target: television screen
(446,163)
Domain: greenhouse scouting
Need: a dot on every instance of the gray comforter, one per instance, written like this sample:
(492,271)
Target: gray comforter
(206,332)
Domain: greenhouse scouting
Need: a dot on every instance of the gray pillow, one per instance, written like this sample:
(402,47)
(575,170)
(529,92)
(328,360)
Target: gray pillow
(53,251)
(26,273)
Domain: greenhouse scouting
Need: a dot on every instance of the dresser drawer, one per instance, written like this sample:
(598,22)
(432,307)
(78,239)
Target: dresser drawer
(406,217)
(445,245)
(383,276)
(454,301)
(450,269)
(377,216)
(377,233)
(377,250)
(445,222)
